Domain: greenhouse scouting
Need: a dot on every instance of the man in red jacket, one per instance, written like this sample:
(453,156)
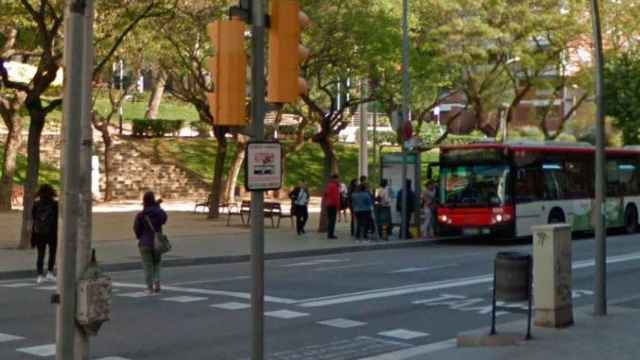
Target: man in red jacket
(332,203)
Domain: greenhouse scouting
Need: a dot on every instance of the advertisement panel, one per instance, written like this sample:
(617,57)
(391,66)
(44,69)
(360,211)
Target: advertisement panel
(263,166)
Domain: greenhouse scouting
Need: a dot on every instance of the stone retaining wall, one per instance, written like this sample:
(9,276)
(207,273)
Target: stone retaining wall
(132,172)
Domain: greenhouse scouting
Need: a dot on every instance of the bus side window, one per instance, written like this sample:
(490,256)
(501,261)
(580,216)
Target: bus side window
(526,185)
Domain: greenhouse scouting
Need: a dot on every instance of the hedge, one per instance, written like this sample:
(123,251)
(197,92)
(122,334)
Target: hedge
(156,127)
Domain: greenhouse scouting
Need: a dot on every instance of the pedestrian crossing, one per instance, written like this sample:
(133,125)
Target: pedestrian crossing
(277,312)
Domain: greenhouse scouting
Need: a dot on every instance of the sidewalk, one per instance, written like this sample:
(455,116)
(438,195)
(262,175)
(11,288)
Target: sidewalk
(614,336)
(195,239)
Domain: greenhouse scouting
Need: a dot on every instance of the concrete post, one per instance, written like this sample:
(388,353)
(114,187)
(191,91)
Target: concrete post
(552,275)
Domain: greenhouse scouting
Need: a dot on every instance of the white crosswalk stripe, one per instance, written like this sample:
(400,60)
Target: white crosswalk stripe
(342,323)
(41,350)
(285,314)
(185,299)
(8,337)
(231,306)
(403,334)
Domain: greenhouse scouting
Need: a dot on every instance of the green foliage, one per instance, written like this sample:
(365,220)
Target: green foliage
(622,94)
(48,173)
(197,155)
(156,127)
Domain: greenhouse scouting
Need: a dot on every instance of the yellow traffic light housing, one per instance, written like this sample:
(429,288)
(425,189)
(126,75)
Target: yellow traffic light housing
(228,71)
(285,51)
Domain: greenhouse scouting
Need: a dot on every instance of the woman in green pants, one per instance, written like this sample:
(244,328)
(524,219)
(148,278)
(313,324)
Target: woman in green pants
(147,223)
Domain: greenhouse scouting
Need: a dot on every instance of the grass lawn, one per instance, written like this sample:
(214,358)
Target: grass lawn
(170,109)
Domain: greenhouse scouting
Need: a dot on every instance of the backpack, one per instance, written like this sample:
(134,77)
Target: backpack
(45,218)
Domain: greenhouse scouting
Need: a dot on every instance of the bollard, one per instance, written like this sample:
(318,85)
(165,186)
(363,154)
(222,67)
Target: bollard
(552,275)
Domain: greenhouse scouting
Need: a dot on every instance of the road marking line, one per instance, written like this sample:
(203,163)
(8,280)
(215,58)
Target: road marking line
(395,291)
(18,285)
(403,334)
(347,266)
(42,350)
(8,337)
(135,295)
(185,299)
(232,278)
(231,306)
(285,314)
(437,285)
(415,351)
(48,288)
(342,323)
(416,269)
(316,262)
(113,358)
(239,295)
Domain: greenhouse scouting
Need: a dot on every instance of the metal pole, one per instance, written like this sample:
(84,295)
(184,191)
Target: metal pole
(82,345)
(406,94)
(363,158)
(600,290)
(257,197)
(74,91)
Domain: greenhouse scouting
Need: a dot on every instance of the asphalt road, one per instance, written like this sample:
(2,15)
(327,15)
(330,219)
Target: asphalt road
(346,306)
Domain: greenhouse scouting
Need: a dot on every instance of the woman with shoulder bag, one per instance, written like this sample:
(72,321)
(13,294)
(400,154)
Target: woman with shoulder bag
(147,223)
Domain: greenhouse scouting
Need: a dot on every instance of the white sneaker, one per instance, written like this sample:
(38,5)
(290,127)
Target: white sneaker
(51,277)
(40,279)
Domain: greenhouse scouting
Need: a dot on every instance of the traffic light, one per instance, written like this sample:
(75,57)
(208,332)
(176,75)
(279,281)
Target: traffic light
(285,51)
(228,71)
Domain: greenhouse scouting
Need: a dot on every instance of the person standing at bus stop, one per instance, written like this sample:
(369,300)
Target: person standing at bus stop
(331,201)
(428,203)
(300,201)
(411,207)
(384,197)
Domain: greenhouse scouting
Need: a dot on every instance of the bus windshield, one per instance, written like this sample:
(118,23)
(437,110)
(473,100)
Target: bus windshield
(474,185)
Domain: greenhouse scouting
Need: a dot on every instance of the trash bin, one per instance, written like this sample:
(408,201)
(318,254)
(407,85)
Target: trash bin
(512,283)
(512,276)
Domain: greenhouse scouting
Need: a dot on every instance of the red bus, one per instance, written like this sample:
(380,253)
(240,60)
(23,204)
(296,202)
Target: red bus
(502,189)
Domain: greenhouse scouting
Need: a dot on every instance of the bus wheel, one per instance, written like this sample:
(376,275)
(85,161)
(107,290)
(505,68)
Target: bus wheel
(556,216)
(631,220)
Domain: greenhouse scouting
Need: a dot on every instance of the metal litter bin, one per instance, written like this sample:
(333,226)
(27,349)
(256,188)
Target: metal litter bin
(512,282)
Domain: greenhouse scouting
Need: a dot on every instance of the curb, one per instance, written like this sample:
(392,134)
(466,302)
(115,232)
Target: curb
(230,259)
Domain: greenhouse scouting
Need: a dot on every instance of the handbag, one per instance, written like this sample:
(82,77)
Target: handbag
(161,243)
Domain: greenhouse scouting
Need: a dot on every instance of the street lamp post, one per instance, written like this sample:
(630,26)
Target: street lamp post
(600,290)
(406,94)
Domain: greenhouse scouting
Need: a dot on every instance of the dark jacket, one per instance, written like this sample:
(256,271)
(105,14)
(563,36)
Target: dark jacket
(51,237)
(412,201)
(144,234)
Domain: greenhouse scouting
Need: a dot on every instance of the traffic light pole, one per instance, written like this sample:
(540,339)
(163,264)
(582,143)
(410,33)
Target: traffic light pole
(258,107)
(600,288)
(76,48)
(406,94)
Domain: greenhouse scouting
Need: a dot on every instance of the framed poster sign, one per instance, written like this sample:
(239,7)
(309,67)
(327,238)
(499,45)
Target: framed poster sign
(263,167)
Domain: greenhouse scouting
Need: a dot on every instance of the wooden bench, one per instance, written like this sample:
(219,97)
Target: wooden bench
(242,210)
(224,207)
(274,210)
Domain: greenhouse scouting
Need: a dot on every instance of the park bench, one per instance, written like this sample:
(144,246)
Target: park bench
(224,207)
(244,209)
(273,210)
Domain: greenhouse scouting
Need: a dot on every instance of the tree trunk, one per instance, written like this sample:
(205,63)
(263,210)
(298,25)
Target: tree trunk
(330,168)
(11,146)
(218,171)
(330,159)
(232,179)
(156,96)
(33,168)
